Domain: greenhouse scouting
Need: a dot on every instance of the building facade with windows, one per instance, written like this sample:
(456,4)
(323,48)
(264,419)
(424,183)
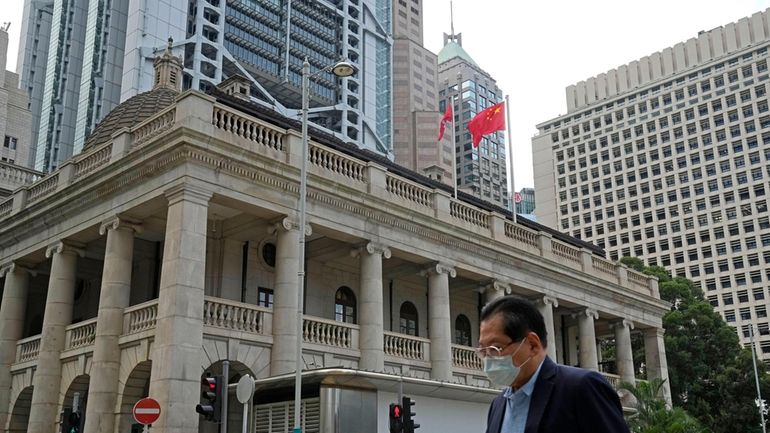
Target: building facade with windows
(15,126)
(415,98)
(80,58)
(667,159)
(526,201)
(480,171)
(172,244)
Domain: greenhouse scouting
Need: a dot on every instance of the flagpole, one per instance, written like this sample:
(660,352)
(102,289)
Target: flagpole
(509,141)
(454,150)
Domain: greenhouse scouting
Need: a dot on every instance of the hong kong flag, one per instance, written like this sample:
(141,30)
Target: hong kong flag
(447,118)
(488,121)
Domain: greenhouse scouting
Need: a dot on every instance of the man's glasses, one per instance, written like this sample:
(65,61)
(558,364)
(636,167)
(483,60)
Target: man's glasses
(491,351)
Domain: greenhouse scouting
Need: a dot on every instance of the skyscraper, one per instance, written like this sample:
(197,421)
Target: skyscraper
(415,98)
(101,53)
(15,126)
(481,171)
(667,159)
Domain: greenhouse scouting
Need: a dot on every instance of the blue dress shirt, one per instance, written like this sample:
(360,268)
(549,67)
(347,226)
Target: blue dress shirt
(517,408)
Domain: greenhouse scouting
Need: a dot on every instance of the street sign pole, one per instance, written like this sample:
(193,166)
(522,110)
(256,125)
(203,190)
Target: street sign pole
(245,392)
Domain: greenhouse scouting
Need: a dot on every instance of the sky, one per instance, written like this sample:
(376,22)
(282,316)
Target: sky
(535,49)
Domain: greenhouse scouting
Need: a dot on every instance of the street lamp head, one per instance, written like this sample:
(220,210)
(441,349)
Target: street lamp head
(343,69)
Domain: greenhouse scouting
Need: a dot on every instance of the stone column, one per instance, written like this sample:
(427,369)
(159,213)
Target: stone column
(43,413)
(12,311)
(285,308)
(176,362)
(655,359)
(496,289)
(624,353)
(439,321)
(371,323)
(103,387)
(546,304)
(587,338)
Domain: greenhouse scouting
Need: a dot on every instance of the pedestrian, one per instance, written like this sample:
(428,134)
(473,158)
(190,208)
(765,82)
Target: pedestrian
(540,396)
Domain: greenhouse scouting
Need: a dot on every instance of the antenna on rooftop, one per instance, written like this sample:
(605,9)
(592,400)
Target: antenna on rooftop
(451,19)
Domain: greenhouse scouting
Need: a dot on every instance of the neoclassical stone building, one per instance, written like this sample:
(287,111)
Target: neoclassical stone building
(171,244)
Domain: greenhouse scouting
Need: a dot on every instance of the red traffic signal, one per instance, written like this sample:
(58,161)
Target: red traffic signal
(394,415)
(212,395)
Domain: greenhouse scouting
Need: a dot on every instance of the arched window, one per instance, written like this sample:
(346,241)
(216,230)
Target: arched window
(345,305)
(408,319)
(462,330)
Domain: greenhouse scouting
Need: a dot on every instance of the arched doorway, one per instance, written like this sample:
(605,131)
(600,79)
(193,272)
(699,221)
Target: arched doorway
(20,414)
(234,408)
(137,387)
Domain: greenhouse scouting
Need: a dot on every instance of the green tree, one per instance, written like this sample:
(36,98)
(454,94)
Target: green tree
(711,375)
(652,416)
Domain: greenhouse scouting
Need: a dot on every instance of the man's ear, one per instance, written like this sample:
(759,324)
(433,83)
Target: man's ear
(535,344)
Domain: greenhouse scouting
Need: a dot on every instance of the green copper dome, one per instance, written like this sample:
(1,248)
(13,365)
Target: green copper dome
(452,50)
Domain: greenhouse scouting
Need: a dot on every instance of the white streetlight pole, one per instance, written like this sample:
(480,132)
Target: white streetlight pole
(340,69)
(760,402)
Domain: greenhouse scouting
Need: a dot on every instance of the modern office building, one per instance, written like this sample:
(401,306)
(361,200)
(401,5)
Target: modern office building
(15,126)
(101,53)
(525,201)
(415,98)
(667,159)
(480,171)
(172,244)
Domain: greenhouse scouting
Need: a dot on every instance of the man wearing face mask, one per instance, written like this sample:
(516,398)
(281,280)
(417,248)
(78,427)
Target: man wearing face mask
(539,396)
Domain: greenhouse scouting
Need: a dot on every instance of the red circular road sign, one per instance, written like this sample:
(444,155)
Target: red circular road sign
(146,411)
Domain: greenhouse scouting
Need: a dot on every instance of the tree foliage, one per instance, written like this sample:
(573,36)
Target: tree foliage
(711,375)
(652,416)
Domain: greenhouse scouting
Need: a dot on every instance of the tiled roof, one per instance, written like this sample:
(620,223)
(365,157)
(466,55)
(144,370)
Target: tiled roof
(130,113)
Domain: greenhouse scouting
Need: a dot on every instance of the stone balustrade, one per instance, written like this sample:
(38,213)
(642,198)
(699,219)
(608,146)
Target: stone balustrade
(337,163)
(604,266)
(236,316)
(409,191)
(326,332)
(465,357)
(406,346)
(247,127)
(469,214)
(93,160)
(566,252)
(140,317)
(80,334)
(28,349)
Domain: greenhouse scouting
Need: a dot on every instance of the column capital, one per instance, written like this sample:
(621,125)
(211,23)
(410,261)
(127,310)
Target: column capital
(372,248)
(16,266)
(587,311)
(549,300)
(188,192)
(65,247)
(287,224)
(439,268)
(617,323)
(494,286)
(119,223)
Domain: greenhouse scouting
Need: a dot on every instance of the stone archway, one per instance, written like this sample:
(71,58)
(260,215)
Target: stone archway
(136,387)
(78,385)
(234,408)
(20,413)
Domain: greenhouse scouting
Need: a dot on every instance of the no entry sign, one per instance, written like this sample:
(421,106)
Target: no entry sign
(146,411)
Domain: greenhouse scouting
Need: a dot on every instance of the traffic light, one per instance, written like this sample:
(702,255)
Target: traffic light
(394,414)
(409,425)
(212,396)
(70,421)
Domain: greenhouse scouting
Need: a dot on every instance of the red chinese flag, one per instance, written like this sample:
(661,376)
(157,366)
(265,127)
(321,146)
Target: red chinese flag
(447,118)
(488,121)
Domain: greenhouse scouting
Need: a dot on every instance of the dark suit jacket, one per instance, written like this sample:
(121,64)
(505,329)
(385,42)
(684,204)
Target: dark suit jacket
(566,400)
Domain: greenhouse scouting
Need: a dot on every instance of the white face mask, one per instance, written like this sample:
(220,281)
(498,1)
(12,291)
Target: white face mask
(500,369)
